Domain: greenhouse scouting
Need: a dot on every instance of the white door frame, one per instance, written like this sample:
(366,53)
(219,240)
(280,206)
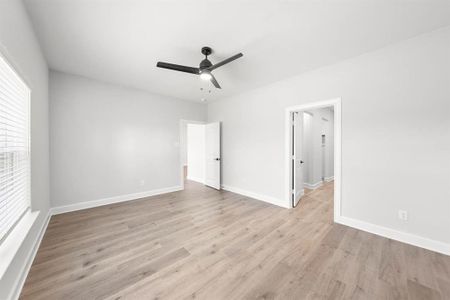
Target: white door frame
(184,123)
(336,103)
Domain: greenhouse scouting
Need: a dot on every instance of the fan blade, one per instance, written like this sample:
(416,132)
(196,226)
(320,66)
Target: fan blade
(223,62)
(178,68)
(214,81)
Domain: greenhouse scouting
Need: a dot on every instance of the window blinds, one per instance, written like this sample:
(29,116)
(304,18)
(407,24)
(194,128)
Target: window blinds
(14,148)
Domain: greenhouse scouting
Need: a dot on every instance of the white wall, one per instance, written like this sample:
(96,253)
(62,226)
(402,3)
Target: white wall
(329,165)
(183,143)
(395,134)
(109,141)
(196,152)
(307,149)
(20,47)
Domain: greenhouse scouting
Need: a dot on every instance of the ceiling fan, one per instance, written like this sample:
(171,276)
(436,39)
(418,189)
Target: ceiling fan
(204,69)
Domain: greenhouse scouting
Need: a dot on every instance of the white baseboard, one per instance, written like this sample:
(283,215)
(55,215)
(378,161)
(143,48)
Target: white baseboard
(112,200)
(196,179)
(20,281)
(400,236)
(312,186)
(328,179)
(268,199)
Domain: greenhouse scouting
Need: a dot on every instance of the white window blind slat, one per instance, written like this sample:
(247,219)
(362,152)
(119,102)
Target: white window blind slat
(10,185)
(10,97)
(17,205)
(12,122)
(7,109)
(12,80)
(12,214)
(8,172)
(11,112)
(14,148)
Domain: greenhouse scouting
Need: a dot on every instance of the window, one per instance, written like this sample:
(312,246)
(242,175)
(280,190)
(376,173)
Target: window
(14,148)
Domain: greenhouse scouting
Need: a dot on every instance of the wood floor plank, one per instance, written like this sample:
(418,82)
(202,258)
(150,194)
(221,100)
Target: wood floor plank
(421,292)
(206,244)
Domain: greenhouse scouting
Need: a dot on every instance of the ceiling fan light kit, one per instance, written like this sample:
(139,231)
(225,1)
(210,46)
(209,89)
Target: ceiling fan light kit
(204,69)
(205,75)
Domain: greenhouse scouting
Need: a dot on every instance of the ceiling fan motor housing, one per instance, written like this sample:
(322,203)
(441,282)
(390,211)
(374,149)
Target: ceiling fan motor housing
(205,63)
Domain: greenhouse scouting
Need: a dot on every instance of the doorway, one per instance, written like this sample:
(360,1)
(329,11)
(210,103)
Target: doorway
(195,153)
(311,156)
(313,139)
(200,159)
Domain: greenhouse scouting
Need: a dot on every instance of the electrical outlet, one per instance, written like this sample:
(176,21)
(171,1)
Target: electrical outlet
(141,182)
(403,215)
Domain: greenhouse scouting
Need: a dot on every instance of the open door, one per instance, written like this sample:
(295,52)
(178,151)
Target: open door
(297,157)
(212,165)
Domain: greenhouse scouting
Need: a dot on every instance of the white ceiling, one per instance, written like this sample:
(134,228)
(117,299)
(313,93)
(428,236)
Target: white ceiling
(120,41)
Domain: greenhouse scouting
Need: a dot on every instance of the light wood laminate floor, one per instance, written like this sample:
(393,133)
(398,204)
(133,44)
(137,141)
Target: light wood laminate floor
(205,244)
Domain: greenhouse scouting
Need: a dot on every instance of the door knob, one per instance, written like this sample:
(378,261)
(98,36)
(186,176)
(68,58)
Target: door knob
(301,161)
(217,158)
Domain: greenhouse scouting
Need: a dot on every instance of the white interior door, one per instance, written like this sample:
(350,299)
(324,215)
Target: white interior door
(212,145)
(324,150)
(297,157)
